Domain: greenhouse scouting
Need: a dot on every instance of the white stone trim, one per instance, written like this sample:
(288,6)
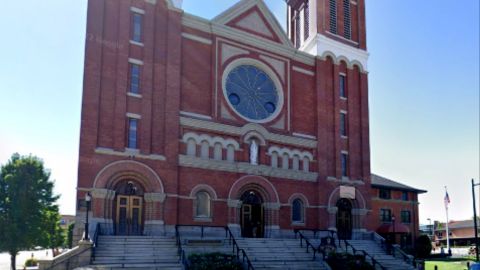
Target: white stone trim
(300,196)
(133,115)
(133,42)
(137,10)
(204,187)
(344,152)
(197,38)
(196,115)
(135,61)
(303,71)
(155,197)
(246,168)
(343,74)
(240,131)
(211,140)
(306,136)
(343,111)
(108,151)
(130,94)
(291,153)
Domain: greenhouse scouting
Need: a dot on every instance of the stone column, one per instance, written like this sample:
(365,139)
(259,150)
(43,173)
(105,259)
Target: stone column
(102,210)
(154,224)
(234,218)
(332,218)
(272,228)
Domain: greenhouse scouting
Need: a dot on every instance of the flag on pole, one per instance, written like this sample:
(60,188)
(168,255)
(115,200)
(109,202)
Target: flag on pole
(447,199)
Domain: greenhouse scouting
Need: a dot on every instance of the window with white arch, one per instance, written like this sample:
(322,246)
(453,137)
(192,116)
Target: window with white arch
(202,205)
(204,150)
(217,151)
(306,164)
(298,210)
(285,161)
(191,147)
(230,153)
(296,163)
(274,161)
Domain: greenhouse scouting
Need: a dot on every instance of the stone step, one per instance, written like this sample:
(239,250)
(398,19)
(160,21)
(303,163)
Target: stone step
(163,266)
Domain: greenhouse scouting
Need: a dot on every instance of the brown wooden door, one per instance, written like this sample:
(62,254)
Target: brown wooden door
(129,215)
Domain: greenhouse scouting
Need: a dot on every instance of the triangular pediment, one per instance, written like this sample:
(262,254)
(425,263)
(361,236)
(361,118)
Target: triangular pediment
(253,17)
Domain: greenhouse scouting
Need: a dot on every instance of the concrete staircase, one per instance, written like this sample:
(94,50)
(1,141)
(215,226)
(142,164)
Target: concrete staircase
(135,252)
(372,248)
(284,254)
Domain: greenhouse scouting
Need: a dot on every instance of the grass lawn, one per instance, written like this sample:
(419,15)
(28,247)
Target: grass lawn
(443,265)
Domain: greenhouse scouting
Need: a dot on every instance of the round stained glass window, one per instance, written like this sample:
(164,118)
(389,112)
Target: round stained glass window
(251,92)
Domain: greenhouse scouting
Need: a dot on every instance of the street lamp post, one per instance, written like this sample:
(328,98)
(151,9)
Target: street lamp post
(431,228)
(394,236)
(475,219)
(88,199)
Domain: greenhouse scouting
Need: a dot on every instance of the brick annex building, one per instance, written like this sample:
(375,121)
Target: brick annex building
(230,121)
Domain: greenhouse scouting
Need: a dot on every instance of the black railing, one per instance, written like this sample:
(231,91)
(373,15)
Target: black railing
(180,251)
(332,234)
(365,254)
(309,245)
(95,240)
(237,250)
(202,228)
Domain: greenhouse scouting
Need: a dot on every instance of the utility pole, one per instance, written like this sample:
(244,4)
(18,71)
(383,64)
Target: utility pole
(475,219)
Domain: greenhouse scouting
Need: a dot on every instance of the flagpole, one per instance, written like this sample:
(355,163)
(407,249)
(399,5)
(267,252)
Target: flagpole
(446,210)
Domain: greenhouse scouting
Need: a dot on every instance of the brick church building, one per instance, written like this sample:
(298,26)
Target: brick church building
(229,122)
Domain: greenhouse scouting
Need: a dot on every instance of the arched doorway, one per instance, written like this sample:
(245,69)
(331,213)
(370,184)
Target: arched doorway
(344,219)
(252,215)
(128,208)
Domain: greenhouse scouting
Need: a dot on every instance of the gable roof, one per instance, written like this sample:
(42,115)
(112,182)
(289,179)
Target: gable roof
(382,182)
(253,17)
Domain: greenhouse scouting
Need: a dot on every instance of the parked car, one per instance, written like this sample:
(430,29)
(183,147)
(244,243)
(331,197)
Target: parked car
(475,266)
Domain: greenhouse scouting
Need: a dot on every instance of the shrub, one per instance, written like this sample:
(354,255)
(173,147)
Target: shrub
(213,261)
(345,261)
(31,262)
(423,246)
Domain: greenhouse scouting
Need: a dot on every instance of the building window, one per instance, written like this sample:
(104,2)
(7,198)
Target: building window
(274,161)
(343,124)
(230,153)
(306,164)
(134,78)
(405,216)
(132,133)
(405,196)
(137,27)
(297,211)
(204,150)
(385,215)
(202,207)
(343,89)
(385,194)
(297,30)
(347,29)
(217,151)
(306,21)
(344,161)
(296,163)
(285,162)
(333,16)
(191,147)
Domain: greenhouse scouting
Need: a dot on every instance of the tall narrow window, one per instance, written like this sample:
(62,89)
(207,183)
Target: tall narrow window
(333,16)
(296,163)
(205,150)
(297,30)
(230,153)
(347,29)
(285,161)
(343,86)
(297,211)
(134,78)
(343,124)
(306,164)
(385,215)
(202,205)
(132,133)
(344,158)
(191,147)
(217,151)
(274,161)
(406,216)
(137,27)
(306,21)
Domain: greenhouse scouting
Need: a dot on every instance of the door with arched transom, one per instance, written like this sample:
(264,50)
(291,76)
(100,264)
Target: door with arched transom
(344,219)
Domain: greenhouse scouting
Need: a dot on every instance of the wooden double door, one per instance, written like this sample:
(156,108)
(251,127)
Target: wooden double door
(129,218)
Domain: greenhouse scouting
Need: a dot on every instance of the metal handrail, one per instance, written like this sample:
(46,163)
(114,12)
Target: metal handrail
(309,245)
(95,241)
(202,228)
(333,234)
(180,251)
(389,248)
(236,248)
(365,255)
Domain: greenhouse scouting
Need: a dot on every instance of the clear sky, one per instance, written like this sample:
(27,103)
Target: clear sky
(423,82)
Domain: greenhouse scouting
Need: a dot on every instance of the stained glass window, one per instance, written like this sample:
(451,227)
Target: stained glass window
(251,92)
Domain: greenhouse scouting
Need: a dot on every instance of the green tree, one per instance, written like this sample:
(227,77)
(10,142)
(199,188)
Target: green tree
(54,234)
(69,242)
(26,198)
(423,246)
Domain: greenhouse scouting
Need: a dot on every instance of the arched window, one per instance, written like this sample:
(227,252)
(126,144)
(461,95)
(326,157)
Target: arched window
(204,150)
(296,162)
(297,211)
(306,164)
(202,205)
(274,161)
(285,161)
(191,147)
(217,151)
(230,153)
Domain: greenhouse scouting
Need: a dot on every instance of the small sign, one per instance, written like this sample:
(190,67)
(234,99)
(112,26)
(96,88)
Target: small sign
(347,192)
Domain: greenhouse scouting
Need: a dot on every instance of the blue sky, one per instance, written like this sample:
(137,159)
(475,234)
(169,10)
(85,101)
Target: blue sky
(423,82)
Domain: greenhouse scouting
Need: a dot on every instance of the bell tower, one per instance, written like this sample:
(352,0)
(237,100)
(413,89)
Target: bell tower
(334,26)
